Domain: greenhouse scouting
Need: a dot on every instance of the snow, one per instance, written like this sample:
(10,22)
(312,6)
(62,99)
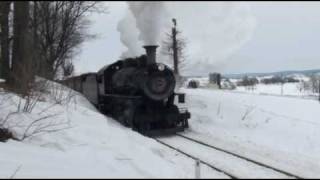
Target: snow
(89,145)
(281,131)
(231,164)
(288,89)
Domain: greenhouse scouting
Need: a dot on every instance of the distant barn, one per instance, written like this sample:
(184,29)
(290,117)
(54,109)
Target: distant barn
(215,79)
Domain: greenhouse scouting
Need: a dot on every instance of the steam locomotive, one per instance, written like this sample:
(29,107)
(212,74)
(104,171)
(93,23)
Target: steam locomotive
(138,92)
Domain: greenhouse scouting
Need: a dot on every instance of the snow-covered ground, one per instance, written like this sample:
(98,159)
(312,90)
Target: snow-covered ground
(280,131)
(287,89)
(91,146)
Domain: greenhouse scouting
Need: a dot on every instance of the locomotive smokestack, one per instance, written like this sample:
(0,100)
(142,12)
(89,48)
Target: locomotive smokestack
(151,53)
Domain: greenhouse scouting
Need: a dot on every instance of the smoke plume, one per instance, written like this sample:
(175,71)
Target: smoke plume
(150,18)
(214,30)
(129,36)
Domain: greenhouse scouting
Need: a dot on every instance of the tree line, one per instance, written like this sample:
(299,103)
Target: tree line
(40,38)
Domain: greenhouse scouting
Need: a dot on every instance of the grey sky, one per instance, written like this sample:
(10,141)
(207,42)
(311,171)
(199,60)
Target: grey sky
(286,36)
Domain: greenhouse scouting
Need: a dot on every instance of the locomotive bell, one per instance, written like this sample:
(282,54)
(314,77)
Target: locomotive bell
(151,53)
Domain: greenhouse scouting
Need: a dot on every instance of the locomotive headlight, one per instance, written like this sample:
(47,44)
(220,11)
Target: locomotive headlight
(161,67)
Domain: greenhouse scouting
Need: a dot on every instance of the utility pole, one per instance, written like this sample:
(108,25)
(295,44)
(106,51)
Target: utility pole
(175,47)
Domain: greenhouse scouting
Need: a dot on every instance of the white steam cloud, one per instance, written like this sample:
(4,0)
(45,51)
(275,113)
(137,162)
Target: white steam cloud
(129,36)
(214,30)
(149,20)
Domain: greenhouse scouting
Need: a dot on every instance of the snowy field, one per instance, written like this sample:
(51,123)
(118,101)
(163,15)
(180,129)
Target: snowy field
(288,89)
(280,131)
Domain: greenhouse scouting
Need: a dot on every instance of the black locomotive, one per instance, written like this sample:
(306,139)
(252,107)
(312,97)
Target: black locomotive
(138,92)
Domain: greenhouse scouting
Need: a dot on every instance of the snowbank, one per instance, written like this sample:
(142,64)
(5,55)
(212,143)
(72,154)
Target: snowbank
(89,145)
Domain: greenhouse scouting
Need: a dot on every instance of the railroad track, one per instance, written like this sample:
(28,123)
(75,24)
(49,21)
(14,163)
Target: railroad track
(195,158)
(253,165)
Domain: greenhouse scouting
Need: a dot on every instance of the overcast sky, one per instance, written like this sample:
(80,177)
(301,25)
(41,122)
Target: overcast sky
(269,36)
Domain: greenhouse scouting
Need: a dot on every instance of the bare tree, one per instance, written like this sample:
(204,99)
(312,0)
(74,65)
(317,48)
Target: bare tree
(68,68)
(59,27)
(46,36)
(248,82)
(314,82)
(21,76)
(174,46)
(4,37)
